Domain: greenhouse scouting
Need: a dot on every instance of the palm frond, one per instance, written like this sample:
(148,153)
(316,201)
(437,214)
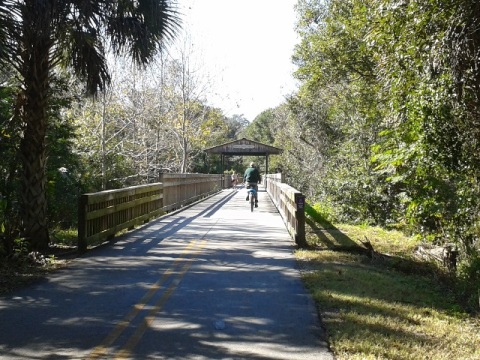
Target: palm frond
(85,55)
(9,14)
(142,30)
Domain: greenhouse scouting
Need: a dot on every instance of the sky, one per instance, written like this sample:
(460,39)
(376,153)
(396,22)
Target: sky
(246,48)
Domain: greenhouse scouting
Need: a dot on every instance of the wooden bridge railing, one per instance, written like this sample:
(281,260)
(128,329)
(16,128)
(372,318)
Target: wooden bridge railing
(103,214)
(291,205)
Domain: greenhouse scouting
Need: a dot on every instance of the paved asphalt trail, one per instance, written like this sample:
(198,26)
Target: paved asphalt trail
(213,281)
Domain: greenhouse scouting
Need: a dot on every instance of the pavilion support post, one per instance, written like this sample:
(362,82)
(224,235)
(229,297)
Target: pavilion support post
(266,171)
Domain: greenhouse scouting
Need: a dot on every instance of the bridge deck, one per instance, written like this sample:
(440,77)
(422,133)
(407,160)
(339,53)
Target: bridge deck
(213,281)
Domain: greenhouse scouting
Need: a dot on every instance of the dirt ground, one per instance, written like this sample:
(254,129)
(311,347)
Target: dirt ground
(20,271)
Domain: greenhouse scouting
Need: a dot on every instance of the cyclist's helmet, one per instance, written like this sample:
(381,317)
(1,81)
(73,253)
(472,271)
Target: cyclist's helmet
(252,164)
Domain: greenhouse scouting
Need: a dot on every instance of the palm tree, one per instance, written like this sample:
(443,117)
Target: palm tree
(39,36)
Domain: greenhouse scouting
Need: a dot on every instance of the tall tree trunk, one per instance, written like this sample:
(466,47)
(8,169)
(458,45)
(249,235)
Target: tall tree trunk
(34,184)
(184,155)
(36,72)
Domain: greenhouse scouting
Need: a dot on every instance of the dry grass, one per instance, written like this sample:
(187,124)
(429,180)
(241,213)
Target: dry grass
(384,307)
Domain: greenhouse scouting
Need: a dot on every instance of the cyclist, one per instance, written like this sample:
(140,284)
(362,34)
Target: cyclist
(251,178)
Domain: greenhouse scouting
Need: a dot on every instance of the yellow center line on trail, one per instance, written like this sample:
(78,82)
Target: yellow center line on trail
(125,352)
(187,253)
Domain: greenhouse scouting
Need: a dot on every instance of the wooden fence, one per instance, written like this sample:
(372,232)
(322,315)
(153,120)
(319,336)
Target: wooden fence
(290,204)
(103,214)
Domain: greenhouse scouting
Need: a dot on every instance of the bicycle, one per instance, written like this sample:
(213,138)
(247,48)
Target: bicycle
(252,194)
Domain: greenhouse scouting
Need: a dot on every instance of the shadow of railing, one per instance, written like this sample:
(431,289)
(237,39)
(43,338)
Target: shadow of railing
(321,234)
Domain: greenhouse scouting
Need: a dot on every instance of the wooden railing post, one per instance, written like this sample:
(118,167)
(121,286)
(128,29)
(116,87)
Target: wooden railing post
(300,239)
(82,223)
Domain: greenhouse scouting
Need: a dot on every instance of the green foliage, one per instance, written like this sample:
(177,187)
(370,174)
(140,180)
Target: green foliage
(260,128)
(384,128)
(10,131)
(21,247)
(236,126)
(65,237)
(264,129)
(322,214)
(63,167)
(335,115)
(468,282)
(427,150)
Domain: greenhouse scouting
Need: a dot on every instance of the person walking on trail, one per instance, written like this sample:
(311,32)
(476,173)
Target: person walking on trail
(234,179)
(251,178)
